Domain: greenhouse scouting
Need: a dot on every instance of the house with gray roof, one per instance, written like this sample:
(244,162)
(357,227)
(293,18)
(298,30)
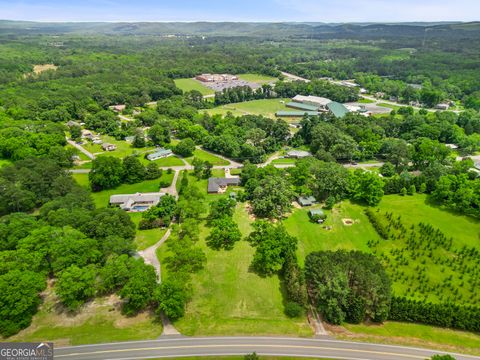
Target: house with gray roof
(135,202)
(298,154)
(220,185)
(159,154)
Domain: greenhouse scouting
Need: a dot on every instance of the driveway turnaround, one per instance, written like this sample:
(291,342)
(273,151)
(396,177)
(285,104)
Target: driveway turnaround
(172,347)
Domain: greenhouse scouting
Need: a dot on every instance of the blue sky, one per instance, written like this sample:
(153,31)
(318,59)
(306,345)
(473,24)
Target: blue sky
(241,10)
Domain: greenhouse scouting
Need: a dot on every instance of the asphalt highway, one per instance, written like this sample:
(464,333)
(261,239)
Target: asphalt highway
(169,347)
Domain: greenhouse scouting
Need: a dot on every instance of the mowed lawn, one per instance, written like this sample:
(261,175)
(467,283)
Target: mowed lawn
(415,335)
(314,237)
(257,78)
(265,107)
(146,238)
(206,156)
(414,209)
(192,84)
(230,299)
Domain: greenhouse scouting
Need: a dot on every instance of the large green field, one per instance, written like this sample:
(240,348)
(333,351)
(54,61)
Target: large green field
(265,107)
(256,78)
(192,84)
(206,156)
(230,299)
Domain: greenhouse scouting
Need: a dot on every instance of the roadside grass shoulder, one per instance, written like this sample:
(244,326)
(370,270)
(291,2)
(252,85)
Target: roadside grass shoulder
(410,334)
(96,322)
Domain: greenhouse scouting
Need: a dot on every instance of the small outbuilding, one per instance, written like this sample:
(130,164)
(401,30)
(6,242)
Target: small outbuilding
(109,147)
(306,200)
(317,215)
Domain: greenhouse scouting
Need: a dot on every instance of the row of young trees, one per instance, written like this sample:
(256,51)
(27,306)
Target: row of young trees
(443,314)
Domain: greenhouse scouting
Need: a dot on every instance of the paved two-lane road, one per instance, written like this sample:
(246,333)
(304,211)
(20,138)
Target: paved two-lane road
(273,346)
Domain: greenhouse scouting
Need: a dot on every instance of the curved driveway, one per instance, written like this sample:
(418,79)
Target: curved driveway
(273,346)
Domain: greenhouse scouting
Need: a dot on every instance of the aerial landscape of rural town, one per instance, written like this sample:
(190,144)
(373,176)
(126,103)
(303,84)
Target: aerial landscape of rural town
(261,180)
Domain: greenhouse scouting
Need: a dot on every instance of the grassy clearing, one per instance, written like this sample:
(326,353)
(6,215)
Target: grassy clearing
(415,335)
(229,299)
(97,322)
(82,179)
(257,78)
(313,237)
(192,84)
(146,238)
(206,156)
(123,148)
(265,107)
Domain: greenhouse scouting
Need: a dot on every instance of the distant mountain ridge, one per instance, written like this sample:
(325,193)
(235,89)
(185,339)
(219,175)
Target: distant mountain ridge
(229,28)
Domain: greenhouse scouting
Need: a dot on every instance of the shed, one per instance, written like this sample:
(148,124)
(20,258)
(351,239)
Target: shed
(317,213)
(108,147)
(306,200)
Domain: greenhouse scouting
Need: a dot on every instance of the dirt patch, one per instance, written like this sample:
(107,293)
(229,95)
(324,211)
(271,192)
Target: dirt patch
(248,208)
(37,69)
(296,205)
(347,222)
(125,322)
